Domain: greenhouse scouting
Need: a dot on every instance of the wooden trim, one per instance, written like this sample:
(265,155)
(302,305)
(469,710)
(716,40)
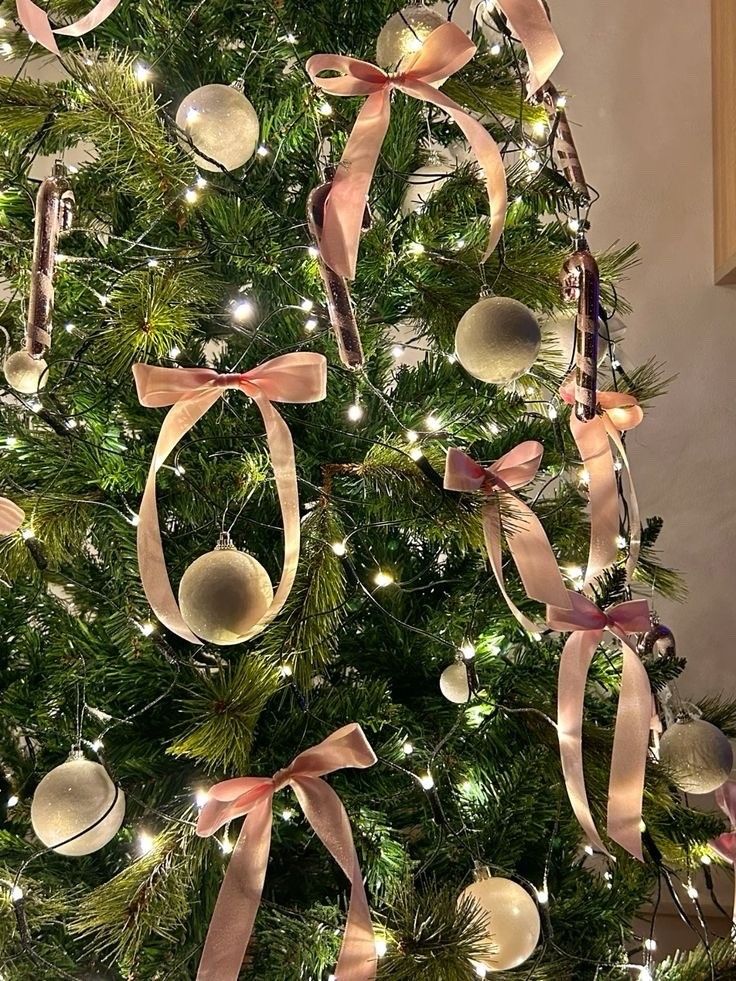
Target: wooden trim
(723,43)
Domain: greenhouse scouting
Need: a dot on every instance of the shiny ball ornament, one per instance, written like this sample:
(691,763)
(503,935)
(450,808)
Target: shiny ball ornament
(222,124)
(223,594)
(25,374)
(498,340)
(696,755)
(513,921)
(72,797)
(404,34)
(454,683)
(422,184)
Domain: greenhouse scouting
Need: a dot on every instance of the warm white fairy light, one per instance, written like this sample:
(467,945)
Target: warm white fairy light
(468,651)
(142,72)
(692,891)
(416,248)
(35,405)
(411,436)
(262,150)
(705,860)
(288,814)
(618,465)
(381,947)
(191,195)
(533,166)
(310,324)
(145,843)
(561,101)
(584,477)
(543,896)
(650,944)
(416,453)
(96,746)
(146,628)
(13,800)
(291,38)
(313,251)
(6,49)
(226,846)
(241,310)
(496,49)
(153,263)
(574,572)
(433,423)
(397,350)
(355,412)
(179,470)
(174,352)
(408,747)
(325,109)
(307,305)
(16,894)
(134,519)
(588,850)
(539,128)
(27,534)
(339,548)
(383,579)
(427,781)
(70,328)
(201,797)
(286,671)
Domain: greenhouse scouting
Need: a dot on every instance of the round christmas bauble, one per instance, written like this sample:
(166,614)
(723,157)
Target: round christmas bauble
(423,183)
(697,756)
(222,124)
(24,373)
(513,921)
(223,594)
(454,683)
(77,795)
(404,34)
(498,340)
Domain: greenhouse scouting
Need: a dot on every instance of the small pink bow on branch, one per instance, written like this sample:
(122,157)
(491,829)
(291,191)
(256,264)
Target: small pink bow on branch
(617,413)
(240,895)
(588,624)
(525,535)
(11,516)
(299,377)
(725,844)
(36,22)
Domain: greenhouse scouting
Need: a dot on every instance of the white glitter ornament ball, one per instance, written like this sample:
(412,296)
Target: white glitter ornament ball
(513,921)
(222,124)
(71,798)
(404,34)
(25,374)
(223,594)
(454,683)
(697,756)
(498,340)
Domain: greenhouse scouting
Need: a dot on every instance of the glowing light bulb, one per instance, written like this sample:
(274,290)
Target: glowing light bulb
(311,324)
(416,453)
(146,628)
(13,800)
(174,352)
(97,745)
(584,477)
(543,896)
(226,846)
(692,891)
(339,548)
(496,49)
(153,263)
(262,150)
(69,328)
(201,797)
(650,944)
(286,671)
(16,894)
(561,101)
(397,350)
(539,128)
(433,423)
(381,947)
(705,860)
(290,39)
(620,541)
(313,251)
(383,579)
(142,72)
(574,572)
(355,412)
(533,166)
(427,781)
(191,195)
(307,305)
(134,519)
(411,436)
(27,534)
(408,748)
(288,814)
(325,109)
(588,850)
(416,248)
(468,651)
(241,311)
(551,412)
(6,49)
(145,843)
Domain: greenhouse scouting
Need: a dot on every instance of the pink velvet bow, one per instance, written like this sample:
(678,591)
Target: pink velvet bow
(299,377)
(525,535)
(530,22)
(725,844)
(444,52)
(11,516)
(36,22)
(618,412)
(588,624)
(240,896)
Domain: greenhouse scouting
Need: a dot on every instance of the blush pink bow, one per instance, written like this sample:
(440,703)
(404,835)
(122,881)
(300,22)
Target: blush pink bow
(525,535)
(588,624)
(530,22)
(36,22)
(725,844)
(444,52)
(11,516)
(298,377)
(240,896)
(617,413)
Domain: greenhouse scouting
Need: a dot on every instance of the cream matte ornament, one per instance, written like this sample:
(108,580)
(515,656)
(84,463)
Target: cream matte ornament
(498,340)
(513,921)
(404,34)
(454,683)
(696,755)
(76,796)
(222,124)
(25,374)
(223,594)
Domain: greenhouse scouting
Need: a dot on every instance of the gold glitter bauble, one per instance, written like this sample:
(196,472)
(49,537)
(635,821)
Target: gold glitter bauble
(513,921)
(25,374)
(404,34)
(222,124)
(498,340)
(223,594)
(72,797)
(697,756)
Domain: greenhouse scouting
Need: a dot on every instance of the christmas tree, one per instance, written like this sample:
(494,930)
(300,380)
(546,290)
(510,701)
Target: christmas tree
(441,392)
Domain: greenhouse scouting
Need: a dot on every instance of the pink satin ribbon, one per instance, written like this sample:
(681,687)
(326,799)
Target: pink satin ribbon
(299,377)
(588,623)
(725,844)
(36,22)
(530,22)
(240,895)
(444,52)
(618,413)
(525,535)
(11,516)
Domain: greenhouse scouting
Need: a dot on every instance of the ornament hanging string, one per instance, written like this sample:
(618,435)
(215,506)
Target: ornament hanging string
(588,624)
(617,413)
(725,844)
(505,510)
(36,22)
(11,516)
(446,51)
(298,377)
(240,895)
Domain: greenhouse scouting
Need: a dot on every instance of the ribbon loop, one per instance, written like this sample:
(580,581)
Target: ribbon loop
(11,516)
(36,22)
(240,894)
(299,377)
(528,543)
(588,624)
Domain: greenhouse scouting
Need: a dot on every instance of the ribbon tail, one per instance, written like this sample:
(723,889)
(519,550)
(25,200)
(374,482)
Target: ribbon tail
(630,749)
(281,448)
(345,205)
(325,812)
(36,22)
(90,21)
(634,516)
(530,22)
(492,536)
(152,565)
(592,441)
(533,554)
(232,922)
(575,661)
(485,149)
